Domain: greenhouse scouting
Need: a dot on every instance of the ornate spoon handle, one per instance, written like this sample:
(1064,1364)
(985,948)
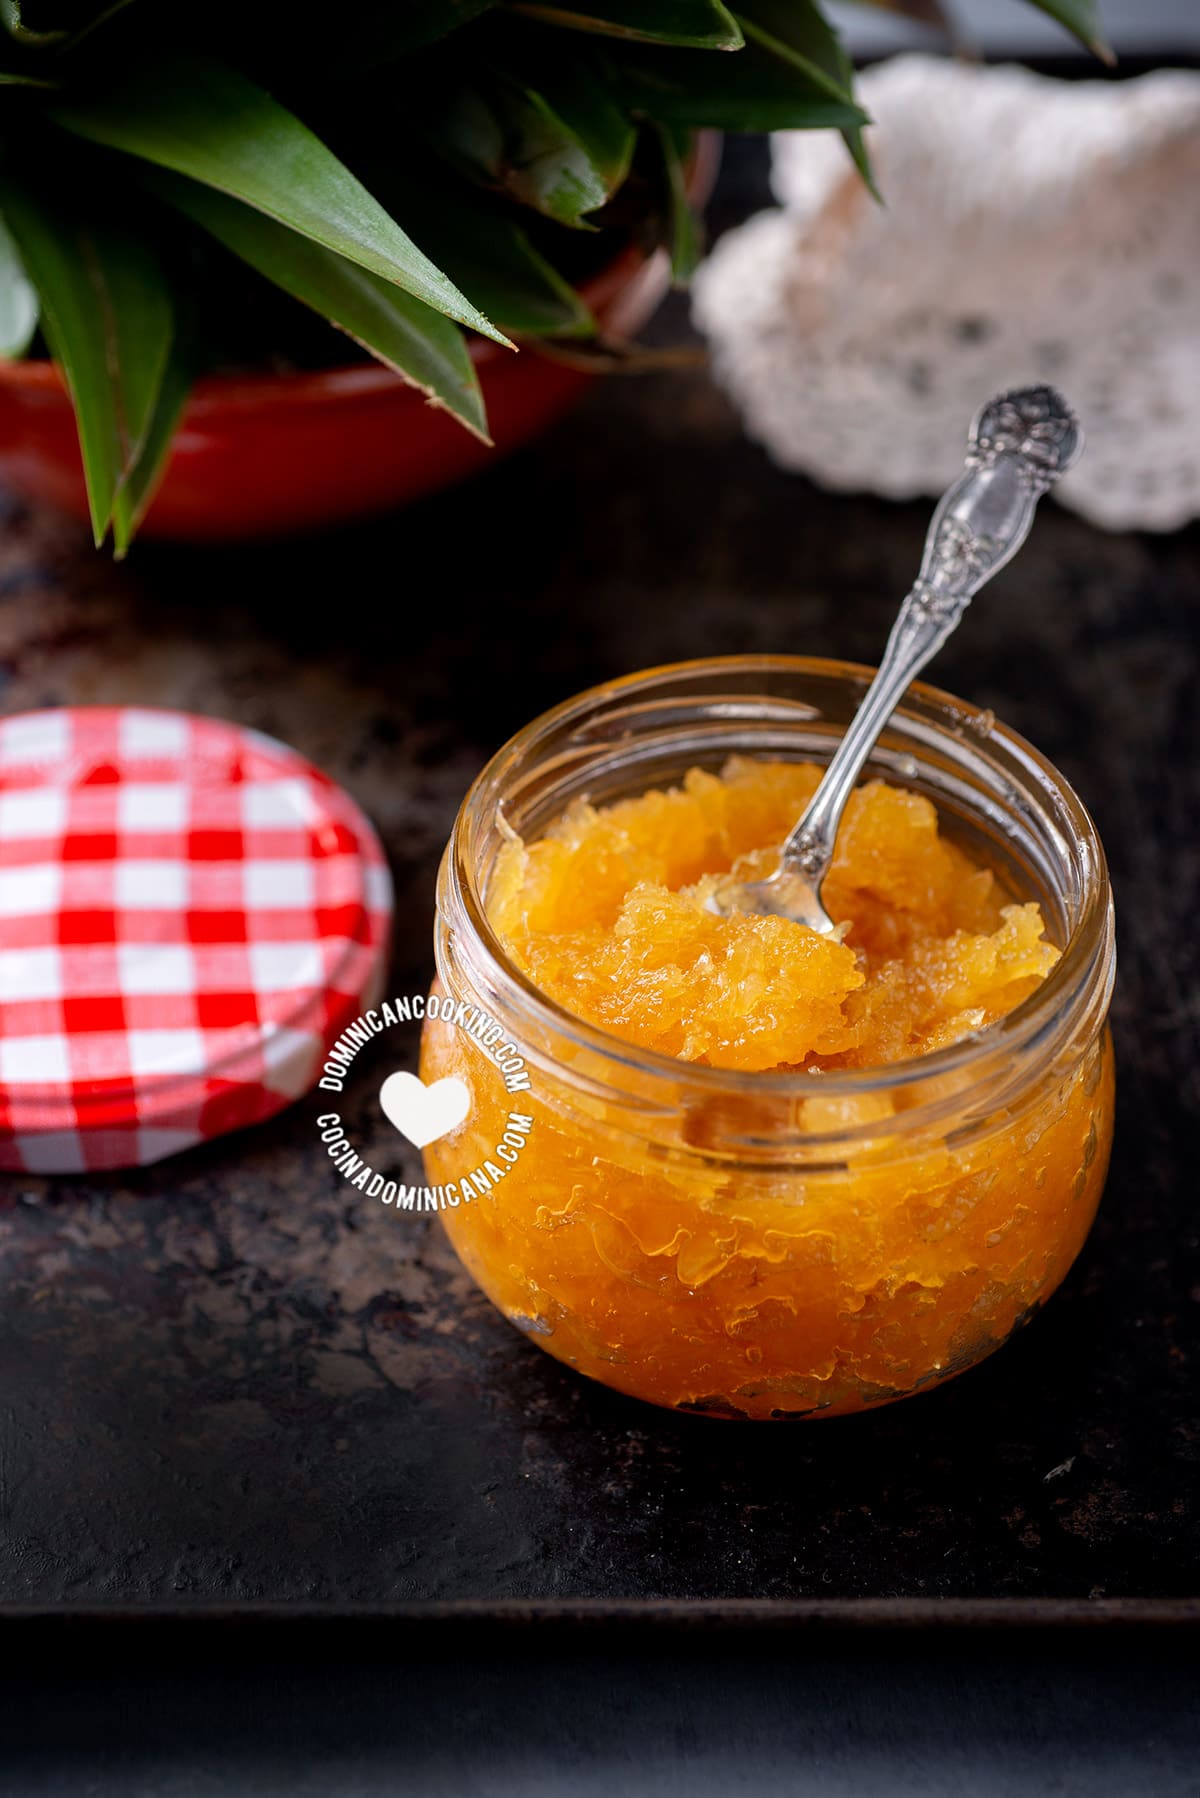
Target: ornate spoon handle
(1020,444)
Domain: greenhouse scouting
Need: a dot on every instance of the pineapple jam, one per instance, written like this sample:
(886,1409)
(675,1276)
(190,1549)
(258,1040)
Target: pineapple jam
(607,915)
(881,1263)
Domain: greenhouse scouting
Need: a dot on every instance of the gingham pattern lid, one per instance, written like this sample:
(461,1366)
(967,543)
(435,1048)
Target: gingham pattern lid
(190,914)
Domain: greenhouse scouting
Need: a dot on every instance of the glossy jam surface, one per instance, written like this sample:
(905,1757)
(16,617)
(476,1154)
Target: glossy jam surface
(607,914)
(707,1283)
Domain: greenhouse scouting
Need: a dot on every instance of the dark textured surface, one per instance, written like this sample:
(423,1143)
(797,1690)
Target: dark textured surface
(365,1707)
(228,1377)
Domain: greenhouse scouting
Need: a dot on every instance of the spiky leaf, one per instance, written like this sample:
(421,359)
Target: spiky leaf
(1082,18)
(548,131)
(193,115)
(142,483)
(422,345)
(683,225)
(704,24)
(761,88)
(799,30)
(107,315)
(484,249)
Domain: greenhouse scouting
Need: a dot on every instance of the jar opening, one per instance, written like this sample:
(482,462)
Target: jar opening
(1003,802)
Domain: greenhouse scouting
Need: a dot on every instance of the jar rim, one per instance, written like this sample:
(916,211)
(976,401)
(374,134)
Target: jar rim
(1031,1028)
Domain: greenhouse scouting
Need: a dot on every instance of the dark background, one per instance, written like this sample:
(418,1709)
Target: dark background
(639,1706)
(228,1377)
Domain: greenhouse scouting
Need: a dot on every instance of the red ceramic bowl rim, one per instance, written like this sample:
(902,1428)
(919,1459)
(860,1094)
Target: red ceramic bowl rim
(217,393)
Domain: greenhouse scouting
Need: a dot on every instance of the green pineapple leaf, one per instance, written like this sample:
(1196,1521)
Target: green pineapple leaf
(684,236)
(798,28)
(579,89)
(486,251)
(107,315)
(134,496)
(794,32)
(703,24)
(193,115)
(1082,19)
(522,290)
(548,132)
(764,87)
(419,343)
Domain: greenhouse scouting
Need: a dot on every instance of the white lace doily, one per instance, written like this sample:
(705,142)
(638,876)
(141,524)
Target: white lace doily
(1033,230)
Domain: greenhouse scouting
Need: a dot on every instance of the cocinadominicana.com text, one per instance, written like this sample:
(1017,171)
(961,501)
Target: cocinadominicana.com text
(480,1180)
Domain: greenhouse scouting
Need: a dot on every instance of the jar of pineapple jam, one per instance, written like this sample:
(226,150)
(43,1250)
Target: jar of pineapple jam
(807,1218)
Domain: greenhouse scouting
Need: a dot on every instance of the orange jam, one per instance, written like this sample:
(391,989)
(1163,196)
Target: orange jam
(887,1260)
(607,915)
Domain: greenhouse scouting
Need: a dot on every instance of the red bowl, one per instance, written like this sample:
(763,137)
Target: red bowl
(264,455)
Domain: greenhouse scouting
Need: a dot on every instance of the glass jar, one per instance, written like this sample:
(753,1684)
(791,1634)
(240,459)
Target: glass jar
(725,1242)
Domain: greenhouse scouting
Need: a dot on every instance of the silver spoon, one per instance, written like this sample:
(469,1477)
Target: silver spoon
(1020,443)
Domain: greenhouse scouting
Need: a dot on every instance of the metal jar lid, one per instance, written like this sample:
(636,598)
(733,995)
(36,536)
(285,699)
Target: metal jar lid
(190,915)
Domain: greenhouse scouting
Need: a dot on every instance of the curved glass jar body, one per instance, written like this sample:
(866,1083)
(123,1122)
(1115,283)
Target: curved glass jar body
(724,1242)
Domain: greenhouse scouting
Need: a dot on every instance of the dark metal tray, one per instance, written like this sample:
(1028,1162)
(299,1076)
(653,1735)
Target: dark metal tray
(229,1378)
(835,1702)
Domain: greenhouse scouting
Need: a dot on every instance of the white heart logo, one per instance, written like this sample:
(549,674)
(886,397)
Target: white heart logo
(424,1113)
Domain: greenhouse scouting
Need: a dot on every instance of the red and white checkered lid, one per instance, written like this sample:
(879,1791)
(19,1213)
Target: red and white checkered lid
(190,915)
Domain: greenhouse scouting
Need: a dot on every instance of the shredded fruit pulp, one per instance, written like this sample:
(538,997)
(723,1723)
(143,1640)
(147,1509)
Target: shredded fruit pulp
(636,1246)
(607,915)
